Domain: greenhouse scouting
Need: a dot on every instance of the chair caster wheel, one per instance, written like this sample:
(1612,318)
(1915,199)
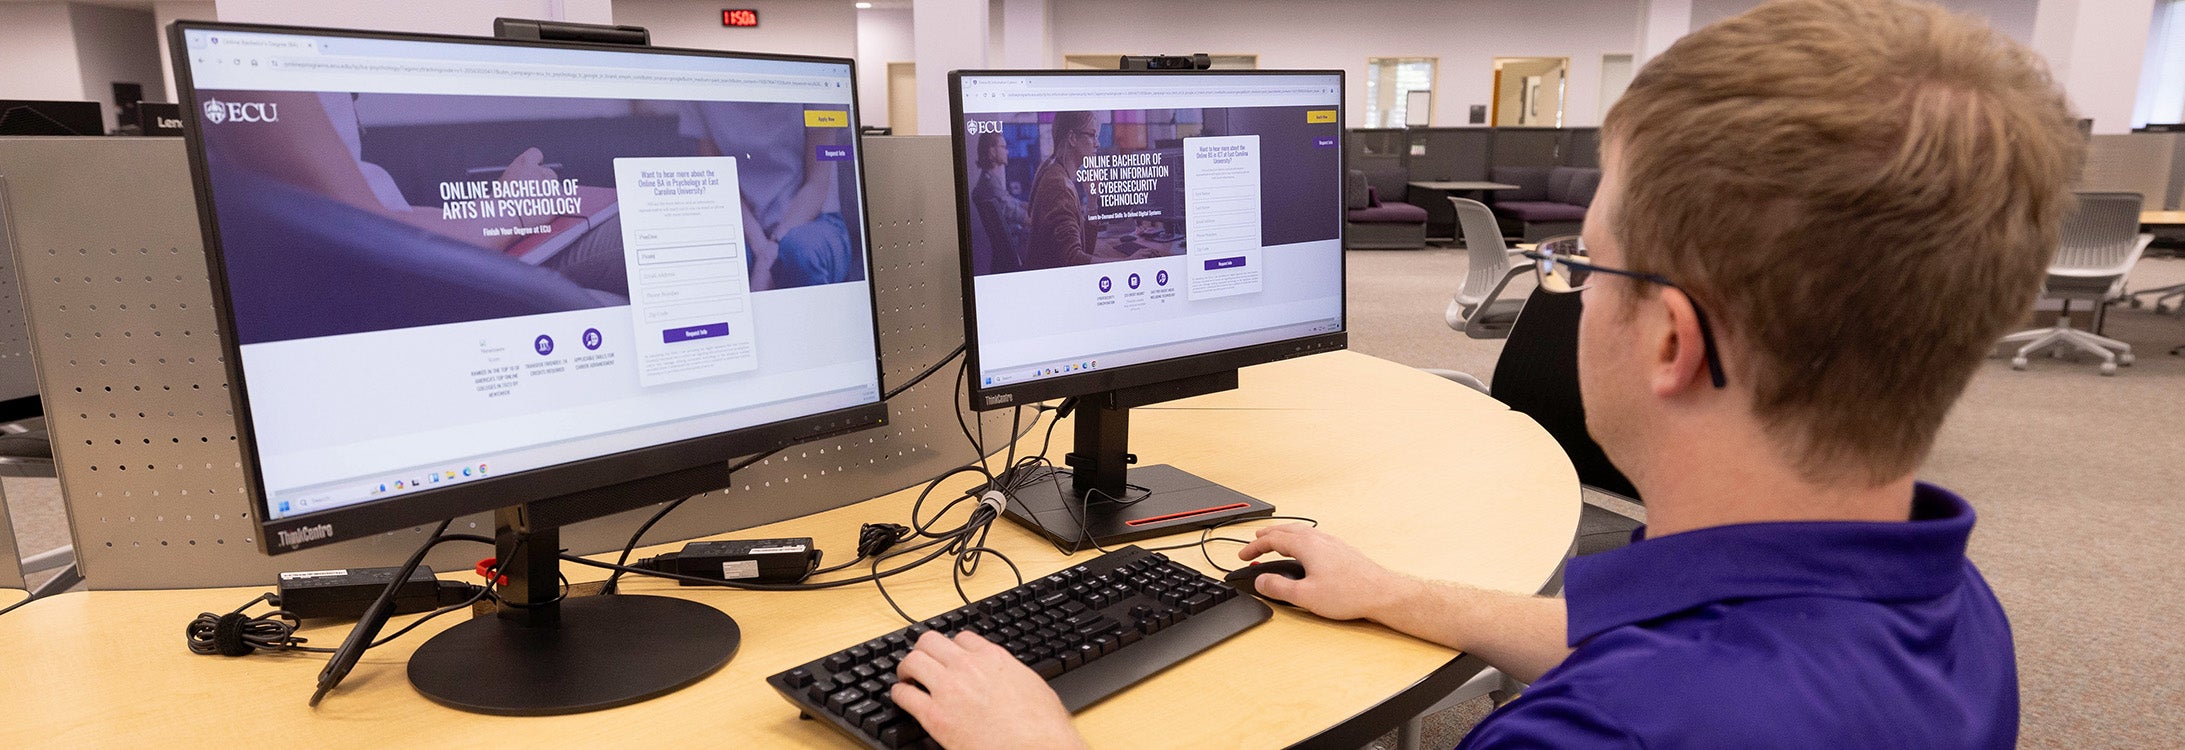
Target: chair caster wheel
(2136,302)
(2018,363)
(2109,368)
(2124,360)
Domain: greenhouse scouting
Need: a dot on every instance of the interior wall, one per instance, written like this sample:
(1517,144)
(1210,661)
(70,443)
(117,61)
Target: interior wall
(470,17)
(794,27)
(115,44)
(38,52)
(2014,18)
(883,36)
(1466,35)
(168,12)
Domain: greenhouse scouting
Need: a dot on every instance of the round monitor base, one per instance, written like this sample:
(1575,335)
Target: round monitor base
(607,651)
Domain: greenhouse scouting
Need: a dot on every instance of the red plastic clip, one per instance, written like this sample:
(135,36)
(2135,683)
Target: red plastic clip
(485,570)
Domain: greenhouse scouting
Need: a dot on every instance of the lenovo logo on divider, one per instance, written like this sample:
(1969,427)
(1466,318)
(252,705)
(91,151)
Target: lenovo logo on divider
(305,534)
(217,111)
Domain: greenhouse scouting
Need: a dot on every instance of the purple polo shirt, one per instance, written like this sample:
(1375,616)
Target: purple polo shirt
(1778,635)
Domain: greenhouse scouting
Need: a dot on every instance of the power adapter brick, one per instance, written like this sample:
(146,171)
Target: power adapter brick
(744,560)
(345,593)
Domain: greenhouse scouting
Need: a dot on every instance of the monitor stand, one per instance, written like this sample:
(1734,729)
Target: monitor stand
(540,656)
(1100,501)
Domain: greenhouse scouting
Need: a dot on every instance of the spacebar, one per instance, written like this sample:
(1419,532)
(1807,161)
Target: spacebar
(1102,677)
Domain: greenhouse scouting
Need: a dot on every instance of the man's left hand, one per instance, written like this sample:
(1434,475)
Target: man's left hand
(975,695)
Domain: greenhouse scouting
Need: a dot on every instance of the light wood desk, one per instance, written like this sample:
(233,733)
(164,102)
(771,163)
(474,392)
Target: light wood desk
(2162,218)
(9,597)
(1427,476)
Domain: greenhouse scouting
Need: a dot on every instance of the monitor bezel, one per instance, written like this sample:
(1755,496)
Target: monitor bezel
(984,398)
(635,466)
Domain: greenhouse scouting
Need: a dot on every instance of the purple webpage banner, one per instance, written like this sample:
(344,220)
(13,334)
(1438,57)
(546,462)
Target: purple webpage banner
(693,333)
(1324,141)
(1221,263)
(833,153)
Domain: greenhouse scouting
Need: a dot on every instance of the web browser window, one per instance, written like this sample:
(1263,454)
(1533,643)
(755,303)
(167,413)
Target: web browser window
(1130,218)
(448,261)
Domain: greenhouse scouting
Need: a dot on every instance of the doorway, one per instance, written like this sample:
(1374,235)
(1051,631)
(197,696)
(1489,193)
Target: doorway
(1529,91)
(903,98)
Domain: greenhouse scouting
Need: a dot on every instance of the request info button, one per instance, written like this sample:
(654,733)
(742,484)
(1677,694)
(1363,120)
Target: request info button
(1221,263)
(694,333)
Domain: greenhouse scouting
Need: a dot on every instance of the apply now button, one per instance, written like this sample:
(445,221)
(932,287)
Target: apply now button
(1217,264)
(832,118)
(693,333)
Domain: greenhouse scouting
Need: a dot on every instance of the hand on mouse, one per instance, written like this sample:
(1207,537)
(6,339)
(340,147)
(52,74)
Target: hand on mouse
(1340,583)
(978,696)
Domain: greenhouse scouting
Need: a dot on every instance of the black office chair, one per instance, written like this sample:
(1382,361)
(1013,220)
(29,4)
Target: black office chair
(1537,375)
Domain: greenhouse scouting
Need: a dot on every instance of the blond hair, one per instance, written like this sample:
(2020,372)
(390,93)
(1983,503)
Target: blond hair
(1863,195)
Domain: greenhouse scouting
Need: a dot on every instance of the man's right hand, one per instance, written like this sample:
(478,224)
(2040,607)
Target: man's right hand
(1340,582)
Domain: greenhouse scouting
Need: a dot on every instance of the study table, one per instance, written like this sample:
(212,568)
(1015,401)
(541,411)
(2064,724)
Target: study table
(9,597)
(1427,476)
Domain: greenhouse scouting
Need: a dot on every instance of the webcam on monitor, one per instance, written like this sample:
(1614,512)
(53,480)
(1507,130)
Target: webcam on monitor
(1198,61)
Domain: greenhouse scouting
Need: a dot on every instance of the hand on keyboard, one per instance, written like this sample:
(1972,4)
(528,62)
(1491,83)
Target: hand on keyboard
(976,695)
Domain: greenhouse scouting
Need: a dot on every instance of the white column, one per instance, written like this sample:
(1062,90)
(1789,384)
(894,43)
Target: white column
(1027,34)
(1661,23)
(2096,49)
(948,35)
(470,17)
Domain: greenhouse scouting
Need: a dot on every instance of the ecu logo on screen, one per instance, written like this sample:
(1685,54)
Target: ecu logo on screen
(217,111)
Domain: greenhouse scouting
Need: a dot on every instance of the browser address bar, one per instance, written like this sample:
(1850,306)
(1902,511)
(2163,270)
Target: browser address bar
(523,72)
(1046,93)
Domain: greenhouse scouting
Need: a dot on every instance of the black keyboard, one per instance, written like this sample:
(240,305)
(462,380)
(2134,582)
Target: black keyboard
(1090,630)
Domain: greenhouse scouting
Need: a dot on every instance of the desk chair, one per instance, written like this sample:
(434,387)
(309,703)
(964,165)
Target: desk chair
(1478,308)
(2100,245)
(1537,375)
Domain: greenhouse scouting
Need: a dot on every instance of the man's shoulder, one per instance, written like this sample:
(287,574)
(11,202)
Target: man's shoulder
(1800,671)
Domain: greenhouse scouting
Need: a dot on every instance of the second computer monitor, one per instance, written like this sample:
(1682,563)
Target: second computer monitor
(1138,236)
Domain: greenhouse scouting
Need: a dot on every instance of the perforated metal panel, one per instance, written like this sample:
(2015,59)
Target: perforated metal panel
(18,378)
(114,282)
(2132,163)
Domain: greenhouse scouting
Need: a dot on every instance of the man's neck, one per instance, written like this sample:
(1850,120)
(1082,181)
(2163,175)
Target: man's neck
(1723,478)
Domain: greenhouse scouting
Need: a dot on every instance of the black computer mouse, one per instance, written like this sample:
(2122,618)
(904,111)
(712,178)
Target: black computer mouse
(1244,578)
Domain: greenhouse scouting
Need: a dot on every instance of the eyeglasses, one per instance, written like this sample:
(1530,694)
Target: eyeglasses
(1562,267)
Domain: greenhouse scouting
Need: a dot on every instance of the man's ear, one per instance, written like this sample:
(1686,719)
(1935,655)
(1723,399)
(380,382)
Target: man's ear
(1680,362)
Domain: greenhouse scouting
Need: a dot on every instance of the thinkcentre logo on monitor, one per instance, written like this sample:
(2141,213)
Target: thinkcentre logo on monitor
(217,111)
(305,534)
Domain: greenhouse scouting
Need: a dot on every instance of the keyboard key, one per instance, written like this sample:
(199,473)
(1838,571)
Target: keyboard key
(1199,603)
(901,734)
(1048,669)
(842,699)
(857,712)
(799,677)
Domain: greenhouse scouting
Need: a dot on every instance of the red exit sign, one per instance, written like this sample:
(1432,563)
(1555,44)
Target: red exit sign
(745,17)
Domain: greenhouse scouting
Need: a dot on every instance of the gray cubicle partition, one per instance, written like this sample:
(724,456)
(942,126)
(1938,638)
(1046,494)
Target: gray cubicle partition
(11,559)
(114,282)
(2151,164)
(1580,147)
(1527,147)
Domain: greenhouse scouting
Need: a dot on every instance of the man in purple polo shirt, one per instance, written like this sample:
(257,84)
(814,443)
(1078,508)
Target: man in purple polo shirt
(1813,222)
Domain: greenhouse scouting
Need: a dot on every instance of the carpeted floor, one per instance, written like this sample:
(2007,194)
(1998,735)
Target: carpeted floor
(2079,480)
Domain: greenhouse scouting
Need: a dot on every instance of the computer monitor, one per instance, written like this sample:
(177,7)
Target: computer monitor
(1134,237)
(552,280)
(29,117)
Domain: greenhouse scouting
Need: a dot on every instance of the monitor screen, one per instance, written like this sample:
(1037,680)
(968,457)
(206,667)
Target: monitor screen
(461,274)
(1128,228)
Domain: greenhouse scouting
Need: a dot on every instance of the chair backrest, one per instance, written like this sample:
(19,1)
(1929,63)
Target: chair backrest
(1537,376)
(2100,233)
(1486,258)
